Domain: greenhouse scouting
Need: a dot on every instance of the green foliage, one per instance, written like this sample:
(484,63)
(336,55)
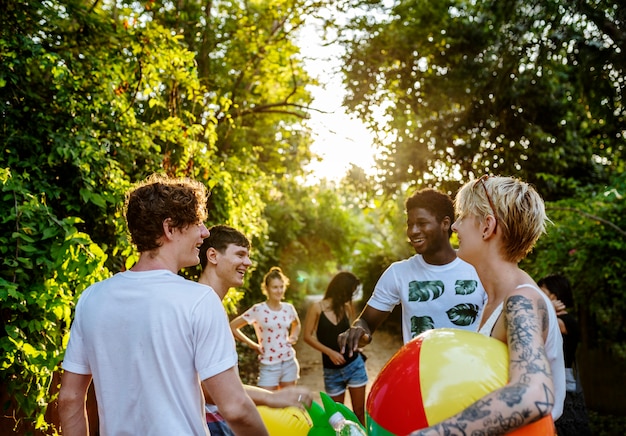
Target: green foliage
(512,88)
(46,262)
(75,89)
(384,240)
(587,243)
(310,234)
(255,84)
(97,95)
(248,361)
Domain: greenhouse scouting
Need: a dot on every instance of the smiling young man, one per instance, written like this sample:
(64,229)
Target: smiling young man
(225,258)
(151,340)
(435,288)
(499,222)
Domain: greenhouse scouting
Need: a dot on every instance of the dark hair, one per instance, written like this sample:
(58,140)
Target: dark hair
(340,290)
(274,273)
(158,198)
(220,238)
(560,286)
(437,203)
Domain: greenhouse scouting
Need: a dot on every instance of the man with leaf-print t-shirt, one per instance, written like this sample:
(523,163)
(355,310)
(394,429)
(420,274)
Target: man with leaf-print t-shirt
(435,288)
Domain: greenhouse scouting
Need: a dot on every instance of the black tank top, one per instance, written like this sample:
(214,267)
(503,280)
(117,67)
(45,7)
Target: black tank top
(327,333)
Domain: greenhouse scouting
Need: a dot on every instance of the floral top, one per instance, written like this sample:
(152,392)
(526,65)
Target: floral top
(272,328)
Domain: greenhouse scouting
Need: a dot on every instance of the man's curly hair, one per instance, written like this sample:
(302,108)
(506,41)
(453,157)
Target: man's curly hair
(158,198)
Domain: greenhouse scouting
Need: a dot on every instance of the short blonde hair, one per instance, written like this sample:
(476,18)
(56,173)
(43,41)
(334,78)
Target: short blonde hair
(519,211)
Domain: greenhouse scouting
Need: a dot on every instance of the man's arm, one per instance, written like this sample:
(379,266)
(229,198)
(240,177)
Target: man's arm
(529,394)
(289,396)
(360,334)
(234,404)
(72,401)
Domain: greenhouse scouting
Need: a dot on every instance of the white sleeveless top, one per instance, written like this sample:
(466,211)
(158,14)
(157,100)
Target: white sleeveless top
(553,347)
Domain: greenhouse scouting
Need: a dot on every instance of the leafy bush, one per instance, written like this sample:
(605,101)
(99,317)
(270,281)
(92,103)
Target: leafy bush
(47,262)
(587,243)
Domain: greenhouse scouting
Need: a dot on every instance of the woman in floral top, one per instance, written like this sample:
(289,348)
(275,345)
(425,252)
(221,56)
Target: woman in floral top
(277,327)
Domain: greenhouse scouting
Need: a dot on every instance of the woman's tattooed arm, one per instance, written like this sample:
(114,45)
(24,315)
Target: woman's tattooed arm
(528,396)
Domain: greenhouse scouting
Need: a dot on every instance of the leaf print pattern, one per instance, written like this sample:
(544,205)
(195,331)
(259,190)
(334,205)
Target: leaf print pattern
(463,314)
(465,287)
(420,324)
(425,291)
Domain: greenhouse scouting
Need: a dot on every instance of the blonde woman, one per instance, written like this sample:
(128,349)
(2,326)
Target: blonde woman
(277,327)
(499,221)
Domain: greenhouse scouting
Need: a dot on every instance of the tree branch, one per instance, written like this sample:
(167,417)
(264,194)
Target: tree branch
(590,216)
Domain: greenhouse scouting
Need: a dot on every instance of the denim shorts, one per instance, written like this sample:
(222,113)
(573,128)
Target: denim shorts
(274,374)
(353,375)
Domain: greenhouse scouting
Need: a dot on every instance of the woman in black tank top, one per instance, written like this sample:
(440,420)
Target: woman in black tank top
(324,322)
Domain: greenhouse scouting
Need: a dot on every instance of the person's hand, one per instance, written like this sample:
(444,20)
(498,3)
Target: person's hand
(291,396)
(356,336)
(258,348)
(559,307)
(336,357)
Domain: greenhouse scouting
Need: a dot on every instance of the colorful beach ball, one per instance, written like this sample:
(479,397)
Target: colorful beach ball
(435,376)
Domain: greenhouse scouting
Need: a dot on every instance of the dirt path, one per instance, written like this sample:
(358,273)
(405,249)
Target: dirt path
(382,348)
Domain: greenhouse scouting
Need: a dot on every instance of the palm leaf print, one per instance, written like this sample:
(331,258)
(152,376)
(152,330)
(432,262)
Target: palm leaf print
(420,324)
(465,287)
(424,291)
(463,314)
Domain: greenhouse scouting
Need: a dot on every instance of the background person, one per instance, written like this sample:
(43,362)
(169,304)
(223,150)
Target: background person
(434,287)
(499,222)
(147,336)
(277,328)
(225,259)
(323,323)
(574,421)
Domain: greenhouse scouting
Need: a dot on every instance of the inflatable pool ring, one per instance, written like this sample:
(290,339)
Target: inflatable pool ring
(320,416)
(435,376)
(290,421)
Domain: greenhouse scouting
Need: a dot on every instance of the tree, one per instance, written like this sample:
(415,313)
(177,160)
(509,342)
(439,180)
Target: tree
(255,85)
(74,87)
(587,242)
(311,230)
(97,95)
(515,88)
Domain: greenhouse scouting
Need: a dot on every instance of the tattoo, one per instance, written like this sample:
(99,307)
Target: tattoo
(522,328)
(477,411)
(511,406)
(512,395)
(547,403)
(501,424)
(543,312)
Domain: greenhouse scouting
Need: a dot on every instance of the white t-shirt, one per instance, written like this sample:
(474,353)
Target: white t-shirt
(148,338)
(432,296)
(272,328)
